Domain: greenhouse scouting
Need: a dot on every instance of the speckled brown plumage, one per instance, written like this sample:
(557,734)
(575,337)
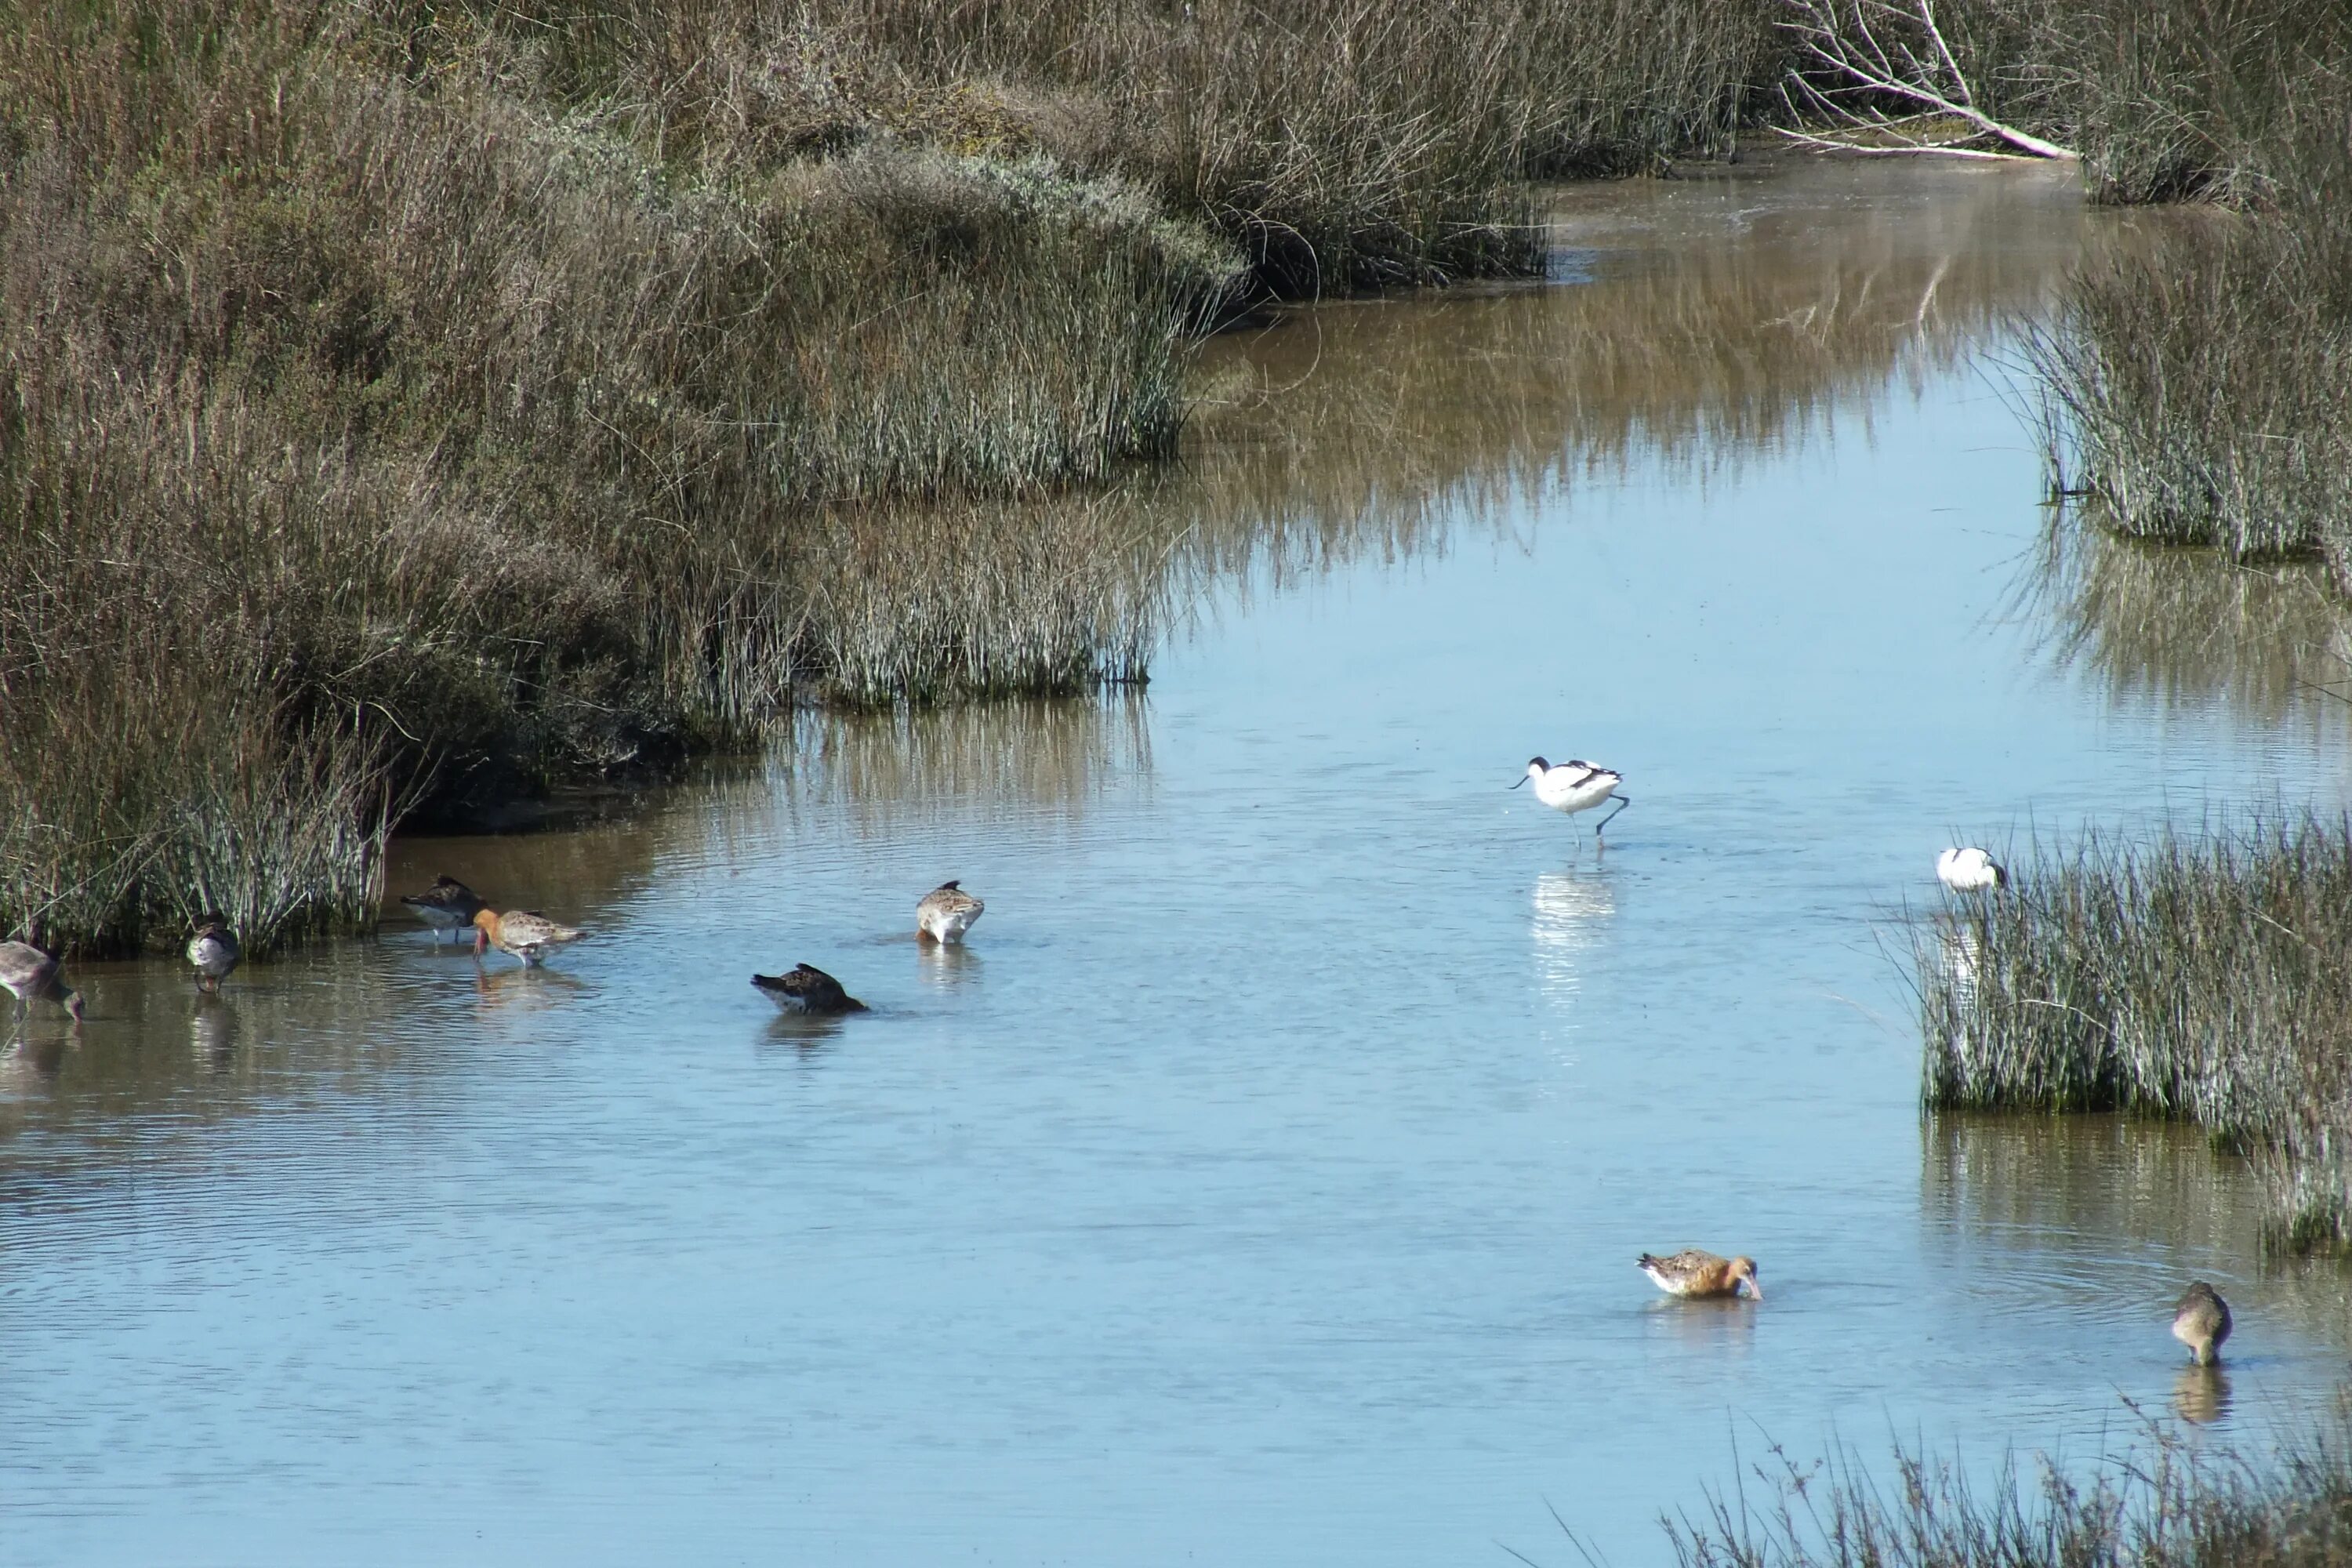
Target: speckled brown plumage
(1693,1273)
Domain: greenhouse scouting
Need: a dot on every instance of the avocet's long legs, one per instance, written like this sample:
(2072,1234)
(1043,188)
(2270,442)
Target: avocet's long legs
(1623,802)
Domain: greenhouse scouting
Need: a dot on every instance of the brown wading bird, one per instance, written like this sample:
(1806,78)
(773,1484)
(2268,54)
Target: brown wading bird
(447,905)
(528,934)
(807,989)
(1693,1273)
(213,951)
(31,976)
(947,912)
(2202,1321)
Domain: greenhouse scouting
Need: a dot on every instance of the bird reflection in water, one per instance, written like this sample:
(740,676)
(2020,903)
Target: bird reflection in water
(808,1033)
(947,963)
(2202,1395)
(529,988)
(213,1029)
(1704,1322)
(35,1057)
(1571,911)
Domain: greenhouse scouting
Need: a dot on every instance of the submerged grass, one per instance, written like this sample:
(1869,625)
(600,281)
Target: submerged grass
(2199,978)
(2168,1505)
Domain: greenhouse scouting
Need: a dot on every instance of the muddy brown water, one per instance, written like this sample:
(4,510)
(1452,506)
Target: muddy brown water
(1263,1184)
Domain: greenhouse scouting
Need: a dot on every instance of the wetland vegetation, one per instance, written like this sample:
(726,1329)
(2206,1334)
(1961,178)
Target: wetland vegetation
(2166,1503)
(427,405)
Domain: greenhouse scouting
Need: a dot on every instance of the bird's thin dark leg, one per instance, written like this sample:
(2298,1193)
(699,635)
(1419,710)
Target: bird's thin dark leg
(1623,802)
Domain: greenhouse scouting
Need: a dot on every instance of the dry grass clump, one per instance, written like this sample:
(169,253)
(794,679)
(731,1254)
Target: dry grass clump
(363,425)
(1342,145)
(2202,382)
(2169,1505)
(2198,978)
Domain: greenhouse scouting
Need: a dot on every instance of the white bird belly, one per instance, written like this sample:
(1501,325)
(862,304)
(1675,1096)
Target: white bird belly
(1571,795)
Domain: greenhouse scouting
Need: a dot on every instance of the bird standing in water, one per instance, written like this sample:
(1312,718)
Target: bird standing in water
(213,951)
(947,912)
(2202,1321)
(1573,786)
(1693,1274)
(807,989)
(31,976)
(528,934)
(1970,870)
(447,905)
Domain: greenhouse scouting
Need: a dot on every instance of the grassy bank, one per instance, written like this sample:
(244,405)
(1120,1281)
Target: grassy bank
(2198,978)
(2165,1505)
(2202,381)
(410,406)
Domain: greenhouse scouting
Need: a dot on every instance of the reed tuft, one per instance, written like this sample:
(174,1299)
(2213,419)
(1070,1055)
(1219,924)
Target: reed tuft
(2197,978)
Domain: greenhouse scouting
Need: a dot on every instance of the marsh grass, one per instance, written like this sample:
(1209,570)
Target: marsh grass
(429,403)
(2202,381)
(375,428)
(2200,978)
(2167,1504)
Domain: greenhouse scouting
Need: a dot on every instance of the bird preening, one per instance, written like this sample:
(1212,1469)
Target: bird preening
(947,911)
(447,905)
(1968,870)
(805,988)
(1576,785)
(2202,1321)
(214,952)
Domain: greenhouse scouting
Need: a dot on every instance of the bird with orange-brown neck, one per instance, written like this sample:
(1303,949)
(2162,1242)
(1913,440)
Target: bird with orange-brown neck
(1693,1274)
(528,934)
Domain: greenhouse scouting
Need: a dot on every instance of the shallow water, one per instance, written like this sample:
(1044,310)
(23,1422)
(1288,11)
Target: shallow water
(1263,1184)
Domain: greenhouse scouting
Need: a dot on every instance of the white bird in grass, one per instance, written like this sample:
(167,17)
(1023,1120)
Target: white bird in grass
(1970,870)
(1573,786)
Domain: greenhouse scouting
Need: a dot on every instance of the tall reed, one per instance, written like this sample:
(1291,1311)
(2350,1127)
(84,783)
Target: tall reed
(2167,1504)
(2194,977)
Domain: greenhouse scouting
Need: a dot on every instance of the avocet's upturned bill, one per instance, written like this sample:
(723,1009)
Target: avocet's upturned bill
(1573,786)
(1968,870)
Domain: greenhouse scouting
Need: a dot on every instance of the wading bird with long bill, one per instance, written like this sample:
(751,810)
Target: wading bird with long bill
(1574,786)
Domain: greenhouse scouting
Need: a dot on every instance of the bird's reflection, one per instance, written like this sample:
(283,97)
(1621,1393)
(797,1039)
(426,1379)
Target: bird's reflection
(35,1057)
(2202,1395)
(807,1032)
(947,963)
(526,989)
(1706,1323)
(1571,911)
(213,1029)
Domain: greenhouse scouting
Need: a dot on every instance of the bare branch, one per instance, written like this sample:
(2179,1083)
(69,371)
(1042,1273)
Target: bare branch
(1849,43)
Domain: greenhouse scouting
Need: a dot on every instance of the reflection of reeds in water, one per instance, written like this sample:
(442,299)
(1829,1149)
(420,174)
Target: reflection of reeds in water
(2197,978)
(909,764)
(2187,626)
(2099,1184)
(1571,914)
(1726,316)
